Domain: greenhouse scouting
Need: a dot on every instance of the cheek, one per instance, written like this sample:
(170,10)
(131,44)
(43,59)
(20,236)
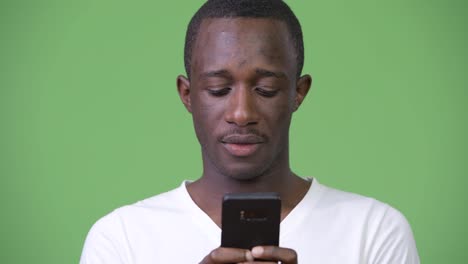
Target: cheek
(276,111)
(208,112)
(277,121)
(205,116)
(201,131)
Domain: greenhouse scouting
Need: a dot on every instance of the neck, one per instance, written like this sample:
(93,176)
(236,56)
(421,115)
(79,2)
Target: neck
(208,191)
(269,181)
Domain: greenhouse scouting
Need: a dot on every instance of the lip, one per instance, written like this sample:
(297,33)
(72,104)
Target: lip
(241,150)
(242,145)
(242,139)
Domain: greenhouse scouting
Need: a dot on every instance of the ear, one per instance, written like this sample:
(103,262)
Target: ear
(183,88)
(302,88)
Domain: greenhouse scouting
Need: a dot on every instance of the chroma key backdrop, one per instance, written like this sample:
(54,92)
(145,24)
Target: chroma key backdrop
(90,119)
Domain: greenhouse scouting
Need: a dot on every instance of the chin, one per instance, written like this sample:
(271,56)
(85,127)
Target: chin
(242,170)
(244,174)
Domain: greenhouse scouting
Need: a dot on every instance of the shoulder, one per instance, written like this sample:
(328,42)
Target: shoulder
(108,237)
(170,201)
(155,208)
(385,232)
(354,204)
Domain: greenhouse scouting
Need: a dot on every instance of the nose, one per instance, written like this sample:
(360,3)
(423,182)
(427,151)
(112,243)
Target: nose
(241,108)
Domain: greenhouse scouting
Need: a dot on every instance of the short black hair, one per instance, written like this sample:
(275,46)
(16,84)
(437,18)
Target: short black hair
(273,9)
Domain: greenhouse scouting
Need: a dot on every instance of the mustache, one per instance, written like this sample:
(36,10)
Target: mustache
(245,136)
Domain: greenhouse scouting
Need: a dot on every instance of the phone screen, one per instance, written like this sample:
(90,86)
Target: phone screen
(250,219)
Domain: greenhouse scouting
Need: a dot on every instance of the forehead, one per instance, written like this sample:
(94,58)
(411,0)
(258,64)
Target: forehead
(242,42)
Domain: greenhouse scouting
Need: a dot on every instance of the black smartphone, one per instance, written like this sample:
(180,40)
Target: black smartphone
(250,219)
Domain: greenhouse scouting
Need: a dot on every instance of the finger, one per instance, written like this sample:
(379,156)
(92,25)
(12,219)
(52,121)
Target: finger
(285,255)
(259,262)
(227,255)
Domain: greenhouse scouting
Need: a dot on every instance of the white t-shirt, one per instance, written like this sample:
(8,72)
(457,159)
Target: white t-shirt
(327,226)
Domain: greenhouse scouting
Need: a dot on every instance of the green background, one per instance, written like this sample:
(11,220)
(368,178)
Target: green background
(90,119)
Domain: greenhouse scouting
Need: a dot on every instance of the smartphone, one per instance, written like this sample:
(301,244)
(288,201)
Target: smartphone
(250,219)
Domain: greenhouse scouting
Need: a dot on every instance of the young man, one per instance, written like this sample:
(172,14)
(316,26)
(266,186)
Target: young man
(244,60)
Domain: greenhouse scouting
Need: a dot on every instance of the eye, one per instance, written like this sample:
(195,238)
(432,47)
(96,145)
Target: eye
(266,92)
(219,92)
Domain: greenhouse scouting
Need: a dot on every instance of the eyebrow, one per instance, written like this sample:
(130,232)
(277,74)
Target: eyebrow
(261,72)
(218,73)
(267,73)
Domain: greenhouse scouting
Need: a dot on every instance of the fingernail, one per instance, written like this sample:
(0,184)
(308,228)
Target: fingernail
(248,256)
(257,251)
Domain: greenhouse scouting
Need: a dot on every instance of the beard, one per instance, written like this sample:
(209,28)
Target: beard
(243,170)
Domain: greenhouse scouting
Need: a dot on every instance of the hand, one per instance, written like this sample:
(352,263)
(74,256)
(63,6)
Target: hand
(228,255)
(274,254)
(267,254)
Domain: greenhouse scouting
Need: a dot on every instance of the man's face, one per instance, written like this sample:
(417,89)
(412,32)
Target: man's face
(242,93)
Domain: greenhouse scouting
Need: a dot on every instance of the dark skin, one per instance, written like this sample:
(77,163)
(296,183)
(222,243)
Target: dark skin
(242,92)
